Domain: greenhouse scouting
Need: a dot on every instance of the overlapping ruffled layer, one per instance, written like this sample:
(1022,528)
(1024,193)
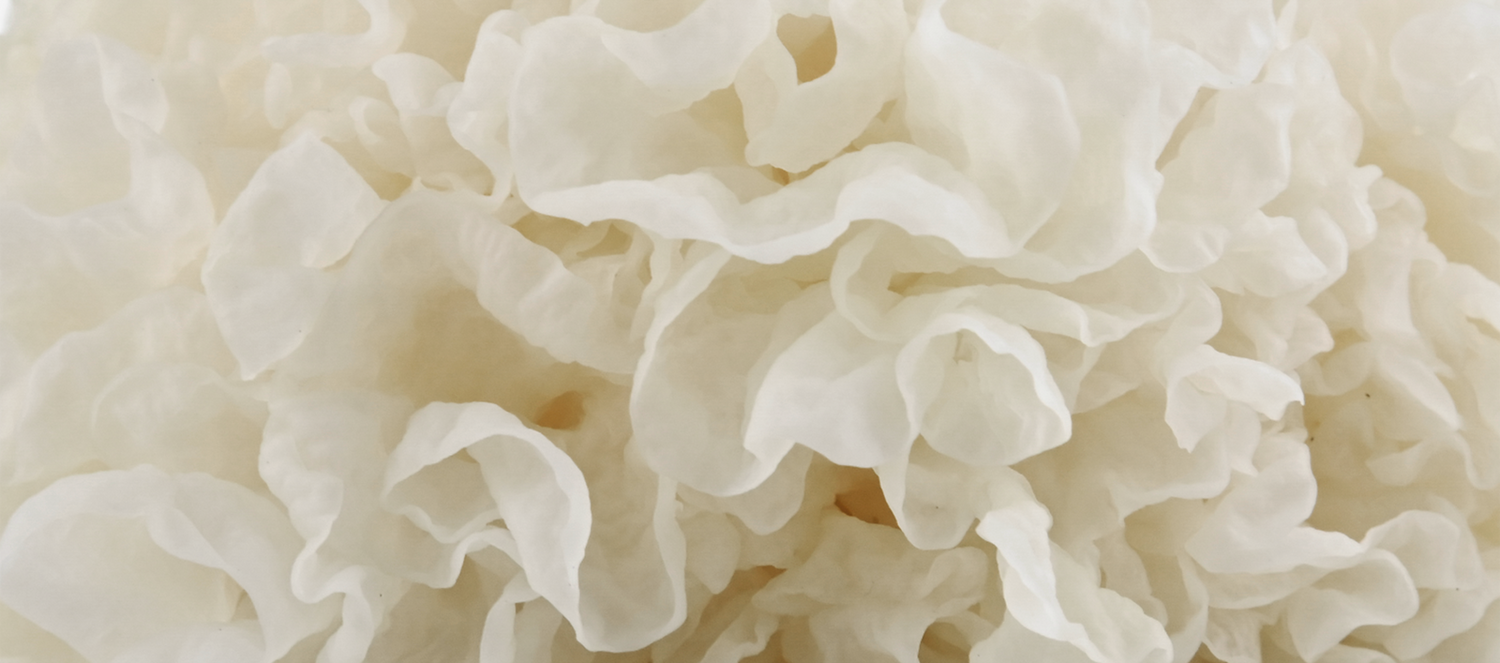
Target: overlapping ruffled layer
(720,330)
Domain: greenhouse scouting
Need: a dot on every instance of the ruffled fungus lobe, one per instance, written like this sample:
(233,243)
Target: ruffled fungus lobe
(925,331)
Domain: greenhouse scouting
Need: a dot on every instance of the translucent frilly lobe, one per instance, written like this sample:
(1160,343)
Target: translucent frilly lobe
(920,331)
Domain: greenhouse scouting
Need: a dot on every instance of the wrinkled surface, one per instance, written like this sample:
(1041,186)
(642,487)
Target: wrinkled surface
(817,331)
